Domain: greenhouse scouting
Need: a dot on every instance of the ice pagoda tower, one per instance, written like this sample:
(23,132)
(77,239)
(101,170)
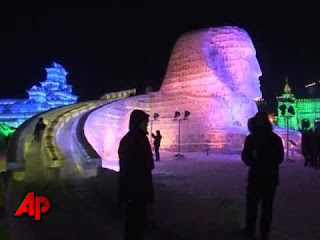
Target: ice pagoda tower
(53,92)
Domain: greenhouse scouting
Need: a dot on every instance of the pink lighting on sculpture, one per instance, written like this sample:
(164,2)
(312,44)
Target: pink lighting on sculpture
(212,73)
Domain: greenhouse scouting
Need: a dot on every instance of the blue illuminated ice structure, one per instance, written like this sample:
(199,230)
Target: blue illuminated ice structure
(52,93)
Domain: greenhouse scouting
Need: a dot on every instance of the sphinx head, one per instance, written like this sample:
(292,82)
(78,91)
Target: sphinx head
(217,62)
(230,53)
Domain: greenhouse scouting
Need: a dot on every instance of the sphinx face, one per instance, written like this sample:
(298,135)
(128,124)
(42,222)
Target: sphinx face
(245,72)
(250,84)
(232,56)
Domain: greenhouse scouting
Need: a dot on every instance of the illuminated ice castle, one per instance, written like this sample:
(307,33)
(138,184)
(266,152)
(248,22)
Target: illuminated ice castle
(53,92)
(307,109)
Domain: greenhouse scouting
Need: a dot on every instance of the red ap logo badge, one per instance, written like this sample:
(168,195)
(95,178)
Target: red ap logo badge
(34,206)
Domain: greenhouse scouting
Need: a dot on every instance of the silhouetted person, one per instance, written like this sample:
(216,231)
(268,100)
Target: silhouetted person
(311,148)
(263,152)
(156,143)
(316,148)
(38,130)
(7,139)
(306,146)
(135,177)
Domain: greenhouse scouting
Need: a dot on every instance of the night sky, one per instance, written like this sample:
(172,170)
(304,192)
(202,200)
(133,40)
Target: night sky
(125,44)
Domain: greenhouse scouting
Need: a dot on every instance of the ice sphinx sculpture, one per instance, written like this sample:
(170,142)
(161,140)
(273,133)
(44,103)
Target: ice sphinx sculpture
(212,73)
(219,65)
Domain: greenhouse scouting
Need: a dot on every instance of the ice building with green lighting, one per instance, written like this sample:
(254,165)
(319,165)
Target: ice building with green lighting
(295,111)
(52,92)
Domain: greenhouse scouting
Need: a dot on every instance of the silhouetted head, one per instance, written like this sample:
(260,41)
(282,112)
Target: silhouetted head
(251,124)
(40,119)
(262,123)
(138,120)
(158,132)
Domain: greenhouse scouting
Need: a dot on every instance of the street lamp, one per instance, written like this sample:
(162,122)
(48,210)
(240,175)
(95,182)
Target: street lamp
(186,115)
(287,114)
(176,118)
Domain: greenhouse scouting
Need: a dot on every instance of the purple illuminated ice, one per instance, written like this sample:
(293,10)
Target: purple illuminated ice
(212,73)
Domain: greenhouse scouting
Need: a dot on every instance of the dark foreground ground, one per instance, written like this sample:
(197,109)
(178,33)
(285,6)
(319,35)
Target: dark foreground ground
(200,197)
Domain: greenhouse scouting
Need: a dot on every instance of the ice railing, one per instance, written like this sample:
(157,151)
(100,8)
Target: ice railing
(20,143)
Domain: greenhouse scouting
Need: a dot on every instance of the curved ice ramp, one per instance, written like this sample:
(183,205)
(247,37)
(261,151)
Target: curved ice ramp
(106,125)
(51,152)
(85,157)
(20,142)
(84,153)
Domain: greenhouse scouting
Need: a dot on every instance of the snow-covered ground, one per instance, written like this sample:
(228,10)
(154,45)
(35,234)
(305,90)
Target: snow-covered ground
(197,197)
(222,177)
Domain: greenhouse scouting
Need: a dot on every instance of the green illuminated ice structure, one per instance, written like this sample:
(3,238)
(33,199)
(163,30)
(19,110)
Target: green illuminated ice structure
(296,110)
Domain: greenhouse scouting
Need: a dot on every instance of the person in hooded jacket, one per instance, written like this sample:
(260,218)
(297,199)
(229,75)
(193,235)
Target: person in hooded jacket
(263,152)
(135,176)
